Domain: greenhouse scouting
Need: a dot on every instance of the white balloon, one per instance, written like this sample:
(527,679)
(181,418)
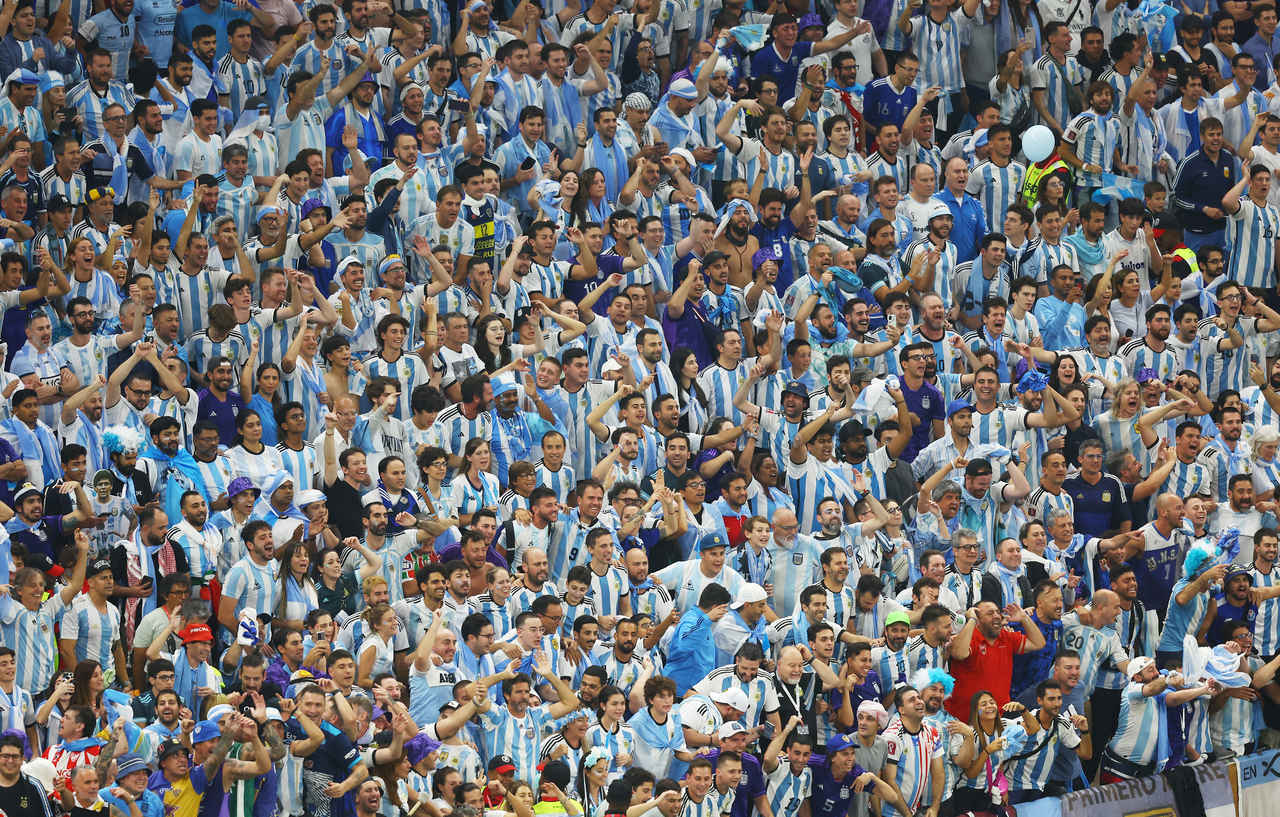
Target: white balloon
(1038,143)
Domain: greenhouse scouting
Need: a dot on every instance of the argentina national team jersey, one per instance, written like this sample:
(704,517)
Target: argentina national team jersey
(942,42)
(1251,234)
(996,187)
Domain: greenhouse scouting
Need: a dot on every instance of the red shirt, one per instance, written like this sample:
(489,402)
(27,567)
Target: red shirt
(989,667)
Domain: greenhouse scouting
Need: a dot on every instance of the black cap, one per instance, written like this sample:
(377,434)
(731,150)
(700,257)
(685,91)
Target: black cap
(1159,62)
(1191,22)
(977,468)
(98,566)
(557,772)
(171,747)
(58,202)
(500,762)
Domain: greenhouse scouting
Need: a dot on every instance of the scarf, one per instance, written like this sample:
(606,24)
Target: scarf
(37,445)
(1009,582)
(972,513)
(612,162)
(724,315)
(119,173)
(563,105)
(672,129)
(175,476)
(729,209)
(636,589)
(758,634)
(668,735)
(186,678)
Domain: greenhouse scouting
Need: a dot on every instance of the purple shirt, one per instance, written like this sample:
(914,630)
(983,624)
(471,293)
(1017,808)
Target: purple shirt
(221,413)
(926,405)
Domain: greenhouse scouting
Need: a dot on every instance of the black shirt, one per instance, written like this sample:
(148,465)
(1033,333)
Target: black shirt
(344,509)
(26,798)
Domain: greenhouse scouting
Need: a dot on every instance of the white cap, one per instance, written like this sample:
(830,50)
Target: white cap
(939,210)
(749,593)
(41,769)
(730,729)
(308,496)
(1139,665)
(284,530)
(686,155)
(733,698)
(273,714)
(610,365)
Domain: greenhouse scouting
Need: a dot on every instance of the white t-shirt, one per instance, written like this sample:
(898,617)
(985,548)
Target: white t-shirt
(199,156)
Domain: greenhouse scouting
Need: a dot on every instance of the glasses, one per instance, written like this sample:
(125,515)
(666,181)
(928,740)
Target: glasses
(918,357)
(11,757)
(116,118)
(892,508)
(1235,296)
(165,676)
(966,547)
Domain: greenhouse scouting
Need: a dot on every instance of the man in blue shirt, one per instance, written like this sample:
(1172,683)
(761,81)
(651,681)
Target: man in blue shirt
(1098,498)
(836,777)
(970,222)
(891,98)
(692,653)
(1203,178)
(774,231)
(217,14)
(1061,321)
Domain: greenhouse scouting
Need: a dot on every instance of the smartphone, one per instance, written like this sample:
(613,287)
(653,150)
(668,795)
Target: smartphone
(528,163)
(66,676)
(459,105)
(893,321)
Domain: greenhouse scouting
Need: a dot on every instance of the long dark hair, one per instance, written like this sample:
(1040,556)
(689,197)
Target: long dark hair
(492,362)
(241,419)
(679,356)
(583,198)
(80,695)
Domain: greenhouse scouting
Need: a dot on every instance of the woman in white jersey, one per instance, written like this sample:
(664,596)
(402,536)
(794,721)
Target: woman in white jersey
(1117,426)
(299,594)
(1129,306)
(474,488)
(377,653)
(249,455)
(977,783)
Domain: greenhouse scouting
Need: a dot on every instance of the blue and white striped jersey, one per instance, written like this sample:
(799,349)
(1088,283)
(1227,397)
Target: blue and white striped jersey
(1033,770)
(787,790)
(252,585)
(1098,649)
(1266,627)
(1251,234)
(243,80)
(943,42)
(998,426)
(30,634)
(996,187)
(1094,137)
(520,737)
(1229,368)
(95,633)
(1233,726)
(1140,716)
(1053,78)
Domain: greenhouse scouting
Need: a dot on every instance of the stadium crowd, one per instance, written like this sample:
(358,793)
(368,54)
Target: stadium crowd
(633,408)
